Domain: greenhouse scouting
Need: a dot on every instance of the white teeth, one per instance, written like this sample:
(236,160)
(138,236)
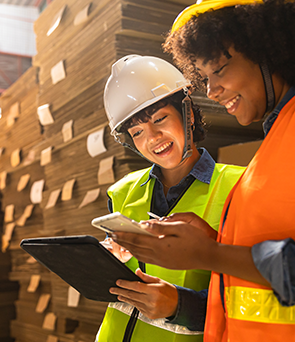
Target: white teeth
(232,102)
(162,148)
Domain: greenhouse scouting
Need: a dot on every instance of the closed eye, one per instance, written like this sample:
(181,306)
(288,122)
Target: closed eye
(160,119)
(136,134)
(219,70)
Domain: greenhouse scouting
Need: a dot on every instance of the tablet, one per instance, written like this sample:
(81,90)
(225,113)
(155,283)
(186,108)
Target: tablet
(82,262)
(116,222)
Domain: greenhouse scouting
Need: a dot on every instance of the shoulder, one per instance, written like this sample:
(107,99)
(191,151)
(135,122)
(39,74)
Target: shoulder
(139,176)
(228,171)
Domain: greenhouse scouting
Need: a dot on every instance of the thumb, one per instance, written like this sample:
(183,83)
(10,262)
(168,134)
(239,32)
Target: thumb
(146,278)
(185,217)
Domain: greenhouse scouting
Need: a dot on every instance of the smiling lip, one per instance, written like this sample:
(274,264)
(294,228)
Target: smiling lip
(163,147)
(229,104)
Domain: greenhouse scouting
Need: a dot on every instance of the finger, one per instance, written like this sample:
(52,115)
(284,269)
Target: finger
(164,228)
(146,278)
(132,241)
(128,295)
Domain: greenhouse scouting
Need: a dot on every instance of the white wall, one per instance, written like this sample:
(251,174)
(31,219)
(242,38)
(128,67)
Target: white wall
(16,29)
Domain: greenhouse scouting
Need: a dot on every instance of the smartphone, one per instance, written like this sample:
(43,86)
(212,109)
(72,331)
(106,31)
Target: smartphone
(116,222)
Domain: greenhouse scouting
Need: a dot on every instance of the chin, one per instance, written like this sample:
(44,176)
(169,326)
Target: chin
(244,121)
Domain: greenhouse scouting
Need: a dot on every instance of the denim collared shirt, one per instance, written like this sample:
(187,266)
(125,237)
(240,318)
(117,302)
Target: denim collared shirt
(275,260)
(202,170)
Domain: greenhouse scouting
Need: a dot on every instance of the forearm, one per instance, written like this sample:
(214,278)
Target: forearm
(236,261)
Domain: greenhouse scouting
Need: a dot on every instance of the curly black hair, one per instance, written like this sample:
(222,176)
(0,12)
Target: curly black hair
(175,100)
(263,33)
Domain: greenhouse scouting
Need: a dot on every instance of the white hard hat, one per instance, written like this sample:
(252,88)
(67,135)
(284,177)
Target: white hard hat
(137,82)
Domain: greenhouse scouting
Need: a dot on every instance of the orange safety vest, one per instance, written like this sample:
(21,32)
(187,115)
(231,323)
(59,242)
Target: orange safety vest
(260,207)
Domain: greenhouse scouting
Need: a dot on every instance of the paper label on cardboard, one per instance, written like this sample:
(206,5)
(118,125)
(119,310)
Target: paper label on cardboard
(67,131)
(44,115)
(15,157)
(73,297)
(30,158)
(36,191)
(95,145)
(9,213)
(56,21)
(51,338)
(6,237)
(58,72)
(49,321)
(82,16)
(43,302)
(67,190)
(53,197)
(26,214)
(31,260)
(90,197)
(23,181)
(14,110)
(3,177)
(46,156)
(34,283)
(105,171)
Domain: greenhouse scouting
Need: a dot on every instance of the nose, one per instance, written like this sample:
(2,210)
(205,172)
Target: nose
(214,89)
(152,133)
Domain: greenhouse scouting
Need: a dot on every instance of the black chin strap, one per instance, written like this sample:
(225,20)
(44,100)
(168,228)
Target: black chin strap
(269,90)
(186,114)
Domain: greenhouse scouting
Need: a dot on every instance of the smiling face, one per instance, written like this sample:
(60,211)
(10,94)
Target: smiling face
(237,84)
(161,138)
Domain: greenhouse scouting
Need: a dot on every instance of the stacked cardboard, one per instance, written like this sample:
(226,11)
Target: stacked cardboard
(57,156)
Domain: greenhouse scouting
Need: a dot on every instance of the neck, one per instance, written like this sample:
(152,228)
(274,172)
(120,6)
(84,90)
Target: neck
(280,87)
(171,177)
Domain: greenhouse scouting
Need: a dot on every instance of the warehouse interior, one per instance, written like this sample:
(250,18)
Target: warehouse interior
(53,180)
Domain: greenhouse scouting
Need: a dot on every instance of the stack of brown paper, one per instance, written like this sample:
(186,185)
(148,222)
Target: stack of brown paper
(62,135)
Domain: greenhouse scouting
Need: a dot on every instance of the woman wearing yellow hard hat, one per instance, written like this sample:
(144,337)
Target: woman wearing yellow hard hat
(242,54)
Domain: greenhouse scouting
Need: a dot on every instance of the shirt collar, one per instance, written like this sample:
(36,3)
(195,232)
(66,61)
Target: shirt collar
(274,114)
(202,170)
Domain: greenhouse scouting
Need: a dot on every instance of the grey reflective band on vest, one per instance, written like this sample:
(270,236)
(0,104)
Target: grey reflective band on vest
(269,90)
(159,323)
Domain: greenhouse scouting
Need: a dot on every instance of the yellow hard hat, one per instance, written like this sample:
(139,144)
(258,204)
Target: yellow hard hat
(203,6)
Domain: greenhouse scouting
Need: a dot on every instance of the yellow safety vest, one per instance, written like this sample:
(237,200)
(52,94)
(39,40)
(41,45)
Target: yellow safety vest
(134,201)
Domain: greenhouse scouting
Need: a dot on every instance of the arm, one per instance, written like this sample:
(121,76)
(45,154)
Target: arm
(180,245)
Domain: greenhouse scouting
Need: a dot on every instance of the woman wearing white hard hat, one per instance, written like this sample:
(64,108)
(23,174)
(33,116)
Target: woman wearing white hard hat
(149,110)
(242,53)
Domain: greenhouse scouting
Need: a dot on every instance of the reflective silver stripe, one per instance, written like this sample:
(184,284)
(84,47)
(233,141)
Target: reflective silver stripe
(257,305)
(159,323)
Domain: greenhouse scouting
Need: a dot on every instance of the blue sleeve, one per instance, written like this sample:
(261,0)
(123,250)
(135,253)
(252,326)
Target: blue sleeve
(275,260)
(191,310)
